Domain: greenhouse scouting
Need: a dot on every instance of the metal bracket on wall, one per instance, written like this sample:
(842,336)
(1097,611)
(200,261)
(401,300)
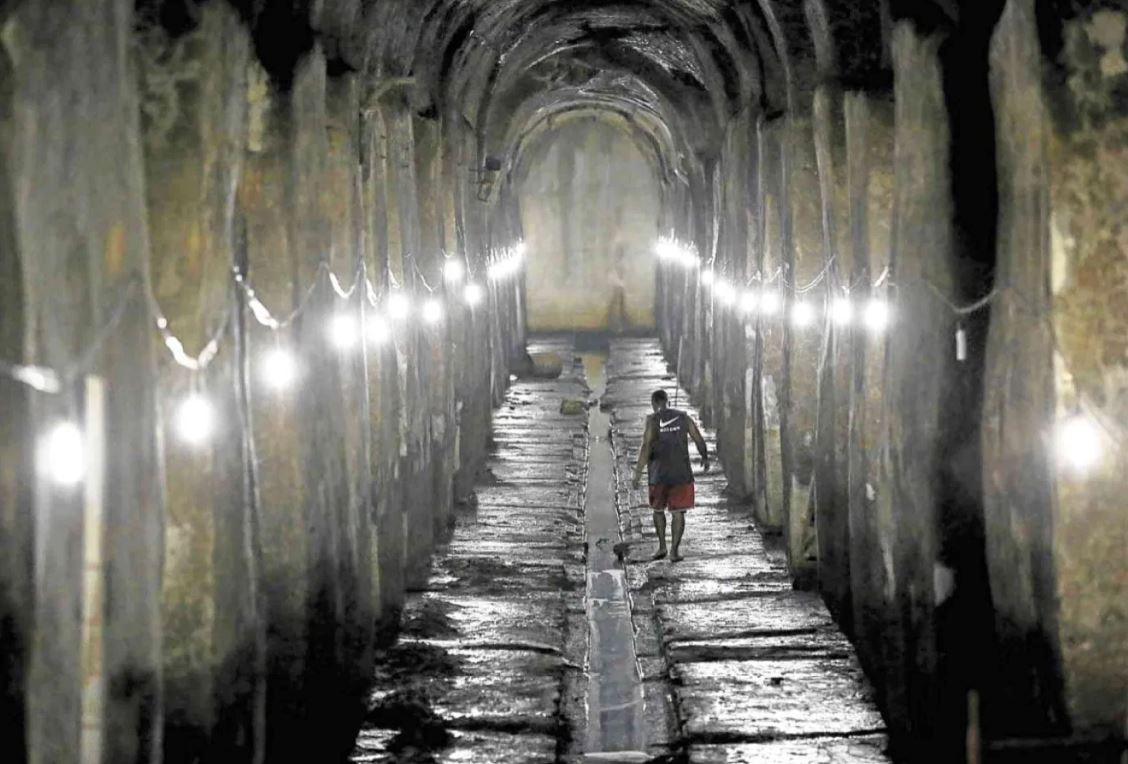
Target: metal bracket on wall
(485,176)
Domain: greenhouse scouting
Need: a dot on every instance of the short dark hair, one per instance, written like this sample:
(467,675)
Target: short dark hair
(659,396)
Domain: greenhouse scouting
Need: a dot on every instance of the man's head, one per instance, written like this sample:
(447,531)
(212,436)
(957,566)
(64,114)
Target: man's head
(658,400)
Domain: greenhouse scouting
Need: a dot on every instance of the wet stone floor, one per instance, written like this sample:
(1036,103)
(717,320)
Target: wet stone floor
(545,634)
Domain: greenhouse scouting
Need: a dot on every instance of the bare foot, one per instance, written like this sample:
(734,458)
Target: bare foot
(660,554)
(675,557)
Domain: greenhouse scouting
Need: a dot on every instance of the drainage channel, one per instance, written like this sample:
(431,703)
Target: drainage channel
(616,711)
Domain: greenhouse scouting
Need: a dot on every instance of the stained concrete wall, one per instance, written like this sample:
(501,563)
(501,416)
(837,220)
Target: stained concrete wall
(589,210)
(247,579)
(945,537)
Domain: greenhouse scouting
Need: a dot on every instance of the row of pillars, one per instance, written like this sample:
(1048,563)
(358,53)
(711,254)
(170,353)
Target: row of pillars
(915,474)
(239,584)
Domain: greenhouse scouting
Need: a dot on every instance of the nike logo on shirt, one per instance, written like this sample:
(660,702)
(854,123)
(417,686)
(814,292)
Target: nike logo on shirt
(667,424)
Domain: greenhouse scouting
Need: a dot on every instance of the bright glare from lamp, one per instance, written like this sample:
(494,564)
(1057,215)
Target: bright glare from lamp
(726,292)
(279,370)
(398,306)
(195,420)
(708,277)
(877,315)
(749,301)
(432,311)
(802,314)
(1079,443)
(453,271)
(769,303)
(343,331)
(473,294)
(842,311)
(62,455)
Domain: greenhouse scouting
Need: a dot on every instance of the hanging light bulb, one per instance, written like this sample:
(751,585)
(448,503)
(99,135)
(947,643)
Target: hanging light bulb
(279,370)
(769,303)
(62,455)
(876,315)
(432,311)
(802,314)
(343,331)
(726,292)
(398,306)
(473,294)
(378,329)
(195,420)
(453,271)
(749,300)
(1079,443)
(842,311)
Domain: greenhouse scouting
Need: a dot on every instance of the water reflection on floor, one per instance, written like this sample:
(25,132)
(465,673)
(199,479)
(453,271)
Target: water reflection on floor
(616,714)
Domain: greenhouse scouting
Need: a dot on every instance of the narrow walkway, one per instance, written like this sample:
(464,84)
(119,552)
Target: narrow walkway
(759,672)
(488,666)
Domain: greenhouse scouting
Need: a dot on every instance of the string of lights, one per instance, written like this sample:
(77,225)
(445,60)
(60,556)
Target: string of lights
(762,296)
(194,418)
(1082,437)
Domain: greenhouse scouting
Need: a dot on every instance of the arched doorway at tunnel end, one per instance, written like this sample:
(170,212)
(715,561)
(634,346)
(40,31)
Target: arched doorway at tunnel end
(589,204)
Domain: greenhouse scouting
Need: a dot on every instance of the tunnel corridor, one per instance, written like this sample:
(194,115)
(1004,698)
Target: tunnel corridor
(328,331)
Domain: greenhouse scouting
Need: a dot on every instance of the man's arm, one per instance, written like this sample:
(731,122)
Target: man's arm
(699,442)
(644,451)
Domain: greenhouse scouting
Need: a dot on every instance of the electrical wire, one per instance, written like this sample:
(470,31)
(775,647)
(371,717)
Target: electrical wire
(53,381)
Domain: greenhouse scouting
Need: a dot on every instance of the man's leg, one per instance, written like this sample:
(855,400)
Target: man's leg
(660,529)
(658,501)
(678,530)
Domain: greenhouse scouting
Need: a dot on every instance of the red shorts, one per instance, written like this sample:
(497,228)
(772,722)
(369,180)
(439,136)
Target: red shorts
(671,496)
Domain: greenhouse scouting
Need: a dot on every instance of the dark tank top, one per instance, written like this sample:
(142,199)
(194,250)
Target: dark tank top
(669,453)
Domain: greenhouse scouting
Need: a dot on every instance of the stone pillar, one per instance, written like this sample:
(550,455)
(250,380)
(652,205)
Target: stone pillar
(342,194)
(919,361)
(831,514)
(869,158)
(1056,534)
(385,399)
(73,159)
(776,237)
(17,466)
(194,102)
(803,263)
(417,508)
(732,346)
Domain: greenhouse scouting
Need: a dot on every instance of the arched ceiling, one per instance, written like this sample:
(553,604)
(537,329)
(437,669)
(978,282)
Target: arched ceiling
(681,68)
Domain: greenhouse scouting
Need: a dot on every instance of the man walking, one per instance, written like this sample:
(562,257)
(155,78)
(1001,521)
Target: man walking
(665,451)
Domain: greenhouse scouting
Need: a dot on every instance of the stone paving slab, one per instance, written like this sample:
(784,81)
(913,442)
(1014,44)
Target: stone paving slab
(466,746)
(778,610)
(773,698)
(759,672)
(868,749)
